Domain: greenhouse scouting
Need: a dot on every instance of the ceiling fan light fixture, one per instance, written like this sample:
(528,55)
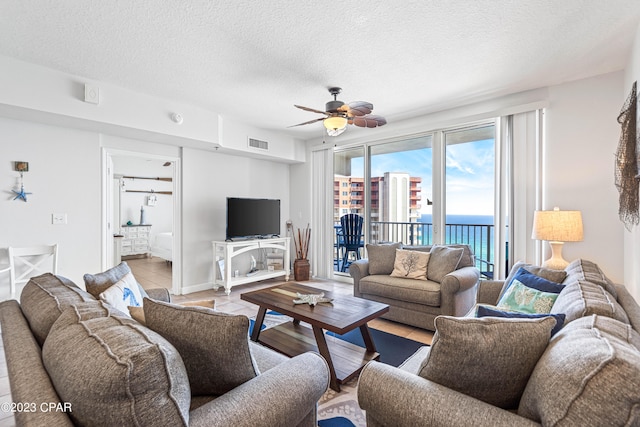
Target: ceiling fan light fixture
(335,125)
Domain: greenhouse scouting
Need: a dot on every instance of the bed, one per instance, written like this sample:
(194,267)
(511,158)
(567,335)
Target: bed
(163,246)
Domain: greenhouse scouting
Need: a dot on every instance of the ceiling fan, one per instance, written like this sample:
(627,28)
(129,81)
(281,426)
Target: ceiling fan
(338,115)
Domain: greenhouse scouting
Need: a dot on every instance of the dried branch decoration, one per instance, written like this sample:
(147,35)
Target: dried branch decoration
(626,170)
(301,242)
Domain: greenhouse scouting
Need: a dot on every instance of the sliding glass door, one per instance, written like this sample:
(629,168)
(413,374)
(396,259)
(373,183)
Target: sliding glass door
(437,187)
(469,190)
(400,192)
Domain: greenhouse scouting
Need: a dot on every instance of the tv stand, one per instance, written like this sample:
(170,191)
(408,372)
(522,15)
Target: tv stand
(224,253)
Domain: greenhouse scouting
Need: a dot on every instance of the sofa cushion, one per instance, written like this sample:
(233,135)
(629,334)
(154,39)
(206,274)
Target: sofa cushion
(579,299)
(442,261)
(123,293)
(44,298)
(484,311)
(214,346)
(487,358)
(98,283)
(424,292)
(581,269)
(525,299)
(115,372)
(382,257)
(410,264)
(588,375)
(557,276)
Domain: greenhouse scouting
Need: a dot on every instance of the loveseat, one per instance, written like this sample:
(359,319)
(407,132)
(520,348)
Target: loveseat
(75,360)
(449,287)
(587,374)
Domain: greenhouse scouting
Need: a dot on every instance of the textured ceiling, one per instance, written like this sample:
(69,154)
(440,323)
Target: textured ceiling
(253,60)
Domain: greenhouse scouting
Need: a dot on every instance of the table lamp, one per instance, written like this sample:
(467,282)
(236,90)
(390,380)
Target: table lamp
(557,227)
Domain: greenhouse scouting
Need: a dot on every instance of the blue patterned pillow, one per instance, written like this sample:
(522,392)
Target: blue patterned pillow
(524,299)
(530,280)
(484,311)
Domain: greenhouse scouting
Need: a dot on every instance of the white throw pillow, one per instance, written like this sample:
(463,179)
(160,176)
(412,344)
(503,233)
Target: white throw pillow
(123,293)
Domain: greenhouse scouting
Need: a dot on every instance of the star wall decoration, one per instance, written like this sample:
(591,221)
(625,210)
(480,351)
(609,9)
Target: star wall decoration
(21,194)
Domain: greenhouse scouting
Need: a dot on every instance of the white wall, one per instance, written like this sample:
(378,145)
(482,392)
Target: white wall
(64,177)
(208,179)
(581,138)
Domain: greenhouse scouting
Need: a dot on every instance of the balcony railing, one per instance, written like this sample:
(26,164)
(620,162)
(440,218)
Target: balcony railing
(479,236)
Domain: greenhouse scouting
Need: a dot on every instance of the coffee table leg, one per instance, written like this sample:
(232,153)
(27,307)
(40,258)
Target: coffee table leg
(324,351)
(258,324)
(366,337)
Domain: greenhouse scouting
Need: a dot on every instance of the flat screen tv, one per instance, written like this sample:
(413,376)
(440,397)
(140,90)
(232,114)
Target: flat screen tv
(252,218)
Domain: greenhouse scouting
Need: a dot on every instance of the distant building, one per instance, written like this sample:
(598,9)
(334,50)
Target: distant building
(395,198)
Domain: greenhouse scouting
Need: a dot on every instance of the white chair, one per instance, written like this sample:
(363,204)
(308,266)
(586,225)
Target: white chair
(26,262)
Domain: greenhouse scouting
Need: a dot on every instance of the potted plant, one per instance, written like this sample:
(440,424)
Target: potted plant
(301,263)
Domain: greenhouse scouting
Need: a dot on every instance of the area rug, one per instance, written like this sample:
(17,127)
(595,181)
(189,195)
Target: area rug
(342,409)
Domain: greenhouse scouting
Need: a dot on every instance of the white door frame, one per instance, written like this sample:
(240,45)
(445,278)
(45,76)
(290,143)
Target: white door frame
(107,229)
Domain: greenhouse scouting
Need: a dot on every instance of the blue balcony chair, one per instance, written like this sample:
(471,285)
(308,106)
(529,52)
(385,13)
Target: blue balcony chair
(351,238)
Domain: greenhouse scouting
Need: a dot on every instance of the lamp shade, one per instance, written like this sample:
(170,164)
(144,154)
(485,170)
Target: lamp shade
(557,226)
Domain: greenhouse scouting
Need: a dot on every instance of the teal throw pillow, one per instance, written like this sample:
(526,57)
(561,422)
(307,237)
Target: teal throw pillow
(524,299)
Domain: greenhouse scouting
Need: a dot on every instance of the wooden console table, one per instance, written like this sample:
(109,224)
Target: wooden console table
(226,252)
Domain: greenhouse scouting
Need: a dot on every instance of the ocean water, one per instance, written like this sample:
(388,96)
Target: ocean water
(474,230)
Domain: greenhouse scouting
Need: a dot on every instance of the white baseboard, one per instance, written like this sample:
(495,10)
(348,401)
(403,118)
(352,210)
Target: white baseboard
(197,288)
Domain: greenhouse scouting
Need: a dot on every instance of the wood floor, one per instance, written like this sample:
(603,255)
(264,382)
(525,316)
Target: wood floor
(155,272)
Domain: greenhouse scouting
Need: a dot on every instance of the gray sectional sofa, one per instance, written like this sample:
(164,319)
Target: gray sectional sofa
(74,360)
(587,374)
(451,292)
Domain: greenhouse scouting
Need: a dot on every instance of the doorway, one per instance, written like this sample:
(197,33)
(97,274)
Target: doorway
(141,208)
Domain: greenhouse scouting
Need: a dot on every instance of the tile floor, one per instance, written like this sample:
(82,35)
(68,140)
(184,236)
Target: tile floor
(155,272)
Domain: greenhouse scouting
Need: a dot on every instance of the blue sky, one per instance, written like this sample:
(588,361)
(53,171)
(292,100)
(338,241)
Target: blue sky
(469,169)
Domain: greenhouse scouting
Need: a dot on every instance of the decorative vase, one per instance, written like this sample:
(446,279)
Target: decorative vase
(143,220)
(301,269)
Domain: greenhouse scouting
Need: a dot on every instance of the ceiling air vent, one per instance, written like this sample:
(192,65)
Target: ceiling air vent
(256,143)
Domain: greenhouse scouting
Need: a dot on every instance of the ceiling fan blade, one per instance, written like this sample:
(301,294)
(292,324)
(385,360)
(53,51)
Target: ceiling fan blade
(309,109)
(308,123)
(357,108)
(368,121)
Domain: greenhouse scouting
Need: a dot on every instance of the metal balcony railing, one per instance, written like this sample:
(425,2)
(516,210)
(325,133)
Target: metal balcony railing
(479,236)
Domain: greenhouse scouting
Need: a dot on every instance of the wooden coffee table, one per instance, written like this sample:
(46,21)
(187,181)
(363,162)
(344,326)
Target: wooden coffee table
(344,314)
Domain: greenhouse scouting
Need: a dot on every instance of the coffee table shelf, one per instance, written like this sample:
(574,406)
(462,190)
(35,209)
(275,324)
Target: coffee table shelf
(342,315)
(348,359)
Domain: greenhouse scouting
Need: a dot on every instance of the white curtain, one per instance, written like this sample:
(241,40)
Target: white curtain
(322,213)
(519,187)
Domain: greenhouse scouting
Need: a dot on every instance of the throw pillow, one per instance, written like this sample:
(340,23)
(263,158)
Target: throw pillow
(556,276)
(536,282)
(137,313)
(123,293)
(484,311)
(214,346)
(115,372)
(98,283)
(524,299)
(442,261)
(410,264)
(488,358)
(382,257)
